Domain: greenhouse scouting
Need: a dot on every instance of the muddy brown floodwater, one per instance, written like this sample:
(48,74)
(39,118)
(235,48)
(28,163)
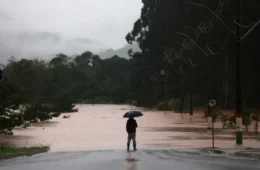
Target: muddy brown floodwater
(96,127)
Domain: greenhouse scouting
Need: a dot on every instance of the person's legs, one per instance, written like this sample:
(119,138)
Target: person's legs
(134,140)
(128,141)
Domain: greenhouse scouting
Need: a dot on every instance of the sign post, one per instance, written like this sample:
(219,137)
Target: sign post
(212,104)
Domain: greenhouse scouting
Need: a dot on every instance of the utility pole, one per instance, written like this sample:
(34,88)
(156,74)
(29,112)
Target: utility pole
(239,136)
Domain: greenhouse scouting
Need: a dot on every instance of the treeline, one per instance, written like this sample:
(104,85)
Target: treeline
(181,37)
(37,90)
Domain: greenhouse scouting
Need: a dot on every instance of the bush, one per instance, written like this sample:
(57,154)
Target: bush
(256,116)
(34,112)
(134,102)
(98,100)
(160,105)
(11,118)
(228,121)
(55,114)
(87,101)
(63,101)
(174,104)
(101,100)
(127,102)
(246,115)
(130,102)
(111,102)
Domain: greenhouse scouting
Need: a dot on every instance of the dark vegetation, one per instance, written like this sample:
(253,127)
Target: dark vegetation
(35,90)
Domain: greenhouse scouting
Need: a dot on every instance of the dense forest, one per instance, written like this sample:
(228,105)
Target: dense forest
(187,48)
(195,41)
(37,90)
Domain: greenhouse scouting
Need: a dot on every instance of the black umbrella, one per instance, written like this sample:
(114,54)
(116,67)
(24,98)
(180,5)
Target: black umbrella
(133,114)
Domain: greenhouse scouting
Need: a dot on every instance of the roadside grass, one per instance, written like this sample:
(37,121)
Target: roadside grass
(8,151)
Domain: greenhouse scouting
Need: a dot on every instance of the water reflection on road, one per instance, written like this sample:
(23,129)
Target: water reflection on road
(131,163)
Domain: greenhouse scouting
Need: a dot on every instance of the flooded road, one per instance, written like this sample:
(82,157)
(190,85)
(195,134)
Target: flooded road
(122,160)
(98,127)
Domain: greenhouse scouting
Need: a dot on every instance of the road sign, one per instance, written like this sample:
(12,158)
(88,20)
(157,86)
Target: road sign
(212,102)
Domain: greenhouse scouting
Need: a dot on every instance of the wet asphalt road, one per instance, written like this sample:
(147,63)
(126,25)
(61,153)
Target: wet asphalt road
(122,160)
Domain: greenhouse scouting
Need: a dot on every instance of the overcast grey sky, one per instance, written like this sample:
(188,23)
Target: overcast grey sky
(68,26)
(104,20)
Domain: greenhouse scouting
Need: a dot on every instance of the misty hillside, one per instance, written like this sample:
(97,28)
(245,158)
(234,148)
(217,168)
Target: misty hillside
(122,52)
(43,45)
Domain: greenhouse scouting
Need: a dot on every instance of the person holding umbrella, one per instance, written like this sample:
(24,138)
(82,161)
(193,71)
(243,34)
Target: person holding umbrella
(131,126)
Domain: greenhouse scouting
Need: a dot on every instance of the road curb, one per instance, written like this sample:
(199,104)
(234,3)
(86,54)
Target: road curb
(239,153)
(255,154)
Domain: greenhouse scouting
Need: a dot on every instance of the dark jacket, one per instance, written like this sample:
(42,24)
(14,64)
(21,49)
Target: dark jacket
(131,125)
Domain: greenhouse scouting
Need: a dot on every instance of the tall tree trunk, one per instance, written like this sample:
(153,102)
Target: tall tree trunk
(225,84)
(166,76)
(181,94)
(191,106)
(182,103)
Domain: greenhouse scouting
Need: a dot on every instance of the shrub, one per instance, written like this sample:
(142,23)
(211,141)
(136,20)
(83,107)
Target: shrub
(134,102)
(246,116)
(228,121)
(101,100)
(160,105)
(130,102)
(256,116)
(173,104)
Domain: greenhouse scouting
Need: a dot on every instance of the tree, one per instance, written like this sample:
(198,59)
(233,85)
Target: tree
(10,112)
(63,101)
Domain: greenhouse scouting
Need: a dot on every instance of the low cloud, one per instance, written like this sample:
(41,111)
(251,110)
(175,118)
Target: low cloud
(44,45)
(43,28)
